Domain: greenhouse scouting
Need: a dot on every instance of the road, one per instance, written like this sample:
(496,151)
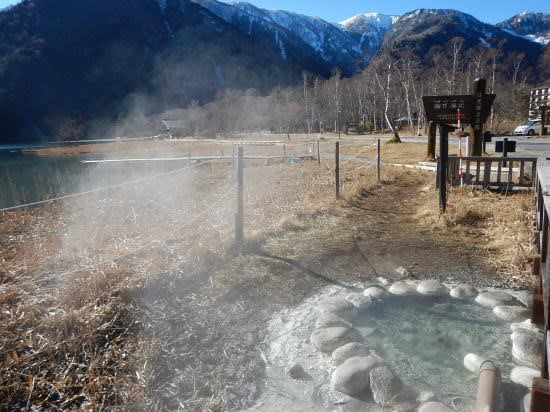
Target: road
(525,146)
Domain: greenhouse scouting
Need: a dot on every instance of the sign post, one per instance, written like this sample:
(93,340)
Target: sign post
(432,128)
(443,160)
(448,111)
(481,108)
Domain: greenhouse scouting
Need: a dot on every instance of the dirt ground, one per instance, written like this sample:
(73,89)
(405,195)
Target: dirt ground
(154,312)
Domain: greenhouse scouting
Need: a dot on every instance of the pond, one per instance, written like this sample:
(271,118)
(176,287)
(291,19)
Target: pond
(29,178)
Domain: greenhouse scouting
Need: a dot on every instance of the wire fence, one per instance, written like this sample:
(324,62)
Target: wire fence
(184,217)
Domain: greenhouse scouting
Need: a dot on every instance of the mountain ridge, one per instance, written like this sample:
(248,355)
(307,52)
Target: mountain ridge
(64,65)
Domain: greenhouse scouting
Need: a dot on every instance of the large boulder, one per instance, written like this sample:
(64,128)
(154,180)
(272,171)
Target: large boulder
(434,406)
(360,301)
(496,298)
(432,287)
(527,346)
(384,385)
(511,313)
(473,362)
(338,306)
(328,339)
(402,289)
(375,292)
(349,350)
(330,320)
(463,292)
(523,375)
(353,376)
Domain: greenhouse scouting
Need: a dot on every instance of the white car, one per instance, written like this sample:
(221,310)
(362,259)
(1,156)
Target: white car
(531,128)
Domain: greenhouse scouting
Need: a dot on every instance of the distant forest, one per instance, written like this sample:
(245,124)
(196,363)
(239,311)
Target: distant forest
(388,94)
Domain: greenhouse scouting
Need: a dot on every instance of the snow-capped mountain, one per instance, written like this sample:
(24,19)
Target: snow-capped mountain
(63,62)
(423,30)
(347,46)
(534,26)
(371,28)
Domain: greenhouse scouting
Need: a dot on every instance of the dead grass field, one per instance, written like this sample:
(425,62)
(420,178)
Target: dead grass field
(133,300)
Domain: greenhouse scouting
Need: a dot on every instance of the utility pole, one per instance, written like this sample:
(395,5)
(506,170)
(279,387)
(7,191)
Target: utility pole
(543,116)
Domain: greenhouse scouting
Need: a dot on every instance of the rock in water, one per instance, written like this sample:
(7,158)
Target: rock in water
(433,406)
(328,339)
(298,372)
(360,301)
(339,306)
(511,313)
(425,396)
(352,377)
(432,287)
(404,272)
(402,289)
(384,385)
(330,320)
(405,406)
(492,299)
(463,292)
(376,292)
(473,362)
(349,350)
(523,375)
(525,325)
(527,346)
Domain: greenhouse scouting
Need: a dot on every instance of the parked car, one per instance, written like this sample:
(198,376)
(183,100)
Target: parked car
(531,128)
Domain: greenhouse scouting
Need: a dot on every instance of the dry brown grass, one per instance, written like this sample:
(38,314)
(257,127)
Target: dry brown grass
(399,153)
(92,304)
(299,145)
(498,224)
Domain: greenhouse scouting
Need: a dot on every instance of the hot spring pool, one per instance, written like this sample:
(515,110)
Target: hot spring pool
(422,339)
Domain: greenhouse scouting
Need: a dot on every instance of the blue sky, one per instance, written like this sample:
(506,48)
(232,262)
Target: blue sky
(490,11)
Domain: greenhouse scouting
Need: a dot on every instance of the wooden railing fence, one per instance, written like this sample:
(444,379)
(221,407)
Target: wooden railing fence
(497,172)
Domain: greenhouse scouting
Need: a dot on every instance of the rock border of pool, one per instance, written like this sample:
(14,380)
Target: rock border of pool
(356,371)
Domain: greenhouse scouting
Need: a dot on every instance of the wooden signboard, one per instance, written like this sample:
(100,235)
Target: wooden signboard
(443,109)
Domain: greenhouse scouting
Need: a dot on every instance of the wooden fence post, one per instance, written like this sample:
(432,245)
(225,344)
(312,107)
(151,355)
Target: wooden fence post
(337,169)
(239,215)
(378,160)
(318,151)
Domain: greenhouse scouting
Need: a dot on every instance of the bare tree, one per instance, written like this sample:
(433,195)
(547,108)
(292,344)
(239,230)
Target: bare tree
(384,85)
(456,47)
(306,81)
